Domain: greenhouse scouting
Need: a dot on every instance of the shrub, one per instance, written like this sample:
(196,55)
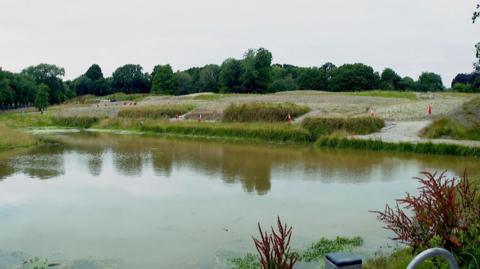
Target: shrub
(274,248)
(168,111)
(266,112)
(460,87)
(445,213)
(78,122)
(325,126)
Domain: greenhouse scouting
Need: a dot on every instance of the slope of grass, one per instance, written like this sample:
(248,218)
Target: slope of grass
(262,112)
(155,112)
(11,138)
(326,126)
(464,123)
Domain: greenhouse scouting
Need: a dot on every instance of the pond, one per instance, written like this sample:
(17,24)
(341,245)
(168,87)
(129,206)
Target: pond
(131,201)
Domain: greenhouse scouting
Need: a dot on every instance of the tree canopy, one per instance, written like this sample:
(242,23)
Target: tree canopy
(164,81)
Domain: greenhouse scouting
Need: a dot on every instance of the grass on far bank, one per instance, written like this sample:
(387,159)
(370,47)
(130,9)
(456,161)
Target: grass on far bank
(386,94)
(277,133)
(11,138)
(377,145)
(448,128)
(263,112)
(326,126)
(463,123)
(156,112)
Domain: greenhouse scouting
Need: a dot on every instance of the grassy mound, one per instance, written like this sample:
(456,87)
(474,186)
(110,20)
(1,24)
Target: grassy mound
(158,112)
(326,126)
(262,112)
(77,122)
(463,123)
(377,145)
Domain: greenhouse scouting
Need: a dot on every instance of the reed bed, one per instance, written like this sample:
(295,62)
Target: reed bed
(326,126)
(155,112)
(263,112)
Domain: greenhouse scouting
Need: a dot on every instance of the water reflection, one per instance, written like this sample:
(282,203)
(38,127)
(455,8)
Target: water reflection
(250,165)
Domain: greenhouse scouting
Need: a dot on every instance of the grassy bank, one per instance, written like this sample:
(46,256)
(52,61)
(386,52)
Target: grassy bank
(463,123)
(157,112)
(13,138)
(377,145)
(277,133)
(262,112)
(326,126)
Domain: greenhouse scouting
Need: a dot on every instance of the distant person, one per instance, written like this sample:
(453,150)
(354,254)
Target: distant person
(429,110)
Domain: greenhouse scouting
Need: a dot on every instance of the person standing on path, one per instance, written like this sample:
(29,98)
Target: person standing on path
(429,110)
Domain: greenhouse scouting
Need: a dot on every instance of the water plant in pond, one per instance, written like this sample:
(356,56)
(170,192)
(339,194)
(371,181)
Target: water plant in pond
(445,213)
(318,250)
(274,248)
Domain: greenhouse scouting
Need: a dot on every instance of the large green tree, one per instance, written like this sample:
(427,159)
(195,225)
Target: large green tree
(209,78)
(50,75)
(41,100)
(230,76)
(257,75)
(184,83)
(130,79)
(429,82)
(92,82)
(390,79)
(163,81)
(354,77)
(313,78)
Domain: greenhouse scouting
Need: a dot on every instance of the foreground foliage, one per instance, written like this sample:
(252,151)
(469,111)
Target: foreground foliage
(267,112)
(445,213)
(274,248)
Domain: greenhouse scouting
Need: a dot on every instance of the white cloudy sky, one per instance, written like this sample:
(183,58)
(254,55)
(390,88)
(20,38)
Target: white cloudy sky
(410,36)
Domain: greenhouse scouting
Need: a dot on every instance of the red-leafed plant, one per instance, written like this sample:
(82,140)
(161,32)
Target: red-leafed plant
(440,214)
(274,248)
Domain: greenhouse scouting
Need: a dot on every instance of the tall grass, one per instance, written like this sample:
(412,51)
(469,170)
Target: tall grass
(448,128)
(326,126)
(77,122)
(13,138)
(262,112)
(157,112)
(278,133)
(377,145)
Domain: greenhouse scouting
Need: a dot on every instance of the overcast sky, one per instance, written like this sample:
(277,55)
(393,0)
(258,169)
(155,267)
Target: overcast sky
(410,36)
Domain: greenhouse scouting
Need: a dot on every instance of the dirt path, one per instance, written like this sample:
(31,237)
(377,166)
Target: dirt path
(409,131)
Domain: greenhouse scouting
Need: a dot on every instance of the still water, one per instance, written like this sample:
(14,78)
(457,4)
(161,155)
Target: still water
(128,201)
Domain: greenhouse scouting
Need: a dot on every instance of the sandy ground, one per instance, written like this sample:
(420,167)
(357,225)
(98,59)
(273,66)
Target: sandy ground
(321,104)
(409,131)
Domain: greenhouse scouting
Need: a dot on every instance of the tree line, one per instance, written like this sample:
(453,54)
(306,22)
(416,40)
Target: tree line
(254,73)
(44,84)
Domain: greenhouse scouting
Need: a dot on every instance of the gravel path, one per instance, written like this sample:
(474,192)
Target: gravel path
(409,131)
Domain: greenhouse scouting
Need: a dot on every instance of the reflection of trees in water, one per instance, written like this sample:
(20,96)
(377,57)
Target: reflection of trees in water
(250,165)
(42,162)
